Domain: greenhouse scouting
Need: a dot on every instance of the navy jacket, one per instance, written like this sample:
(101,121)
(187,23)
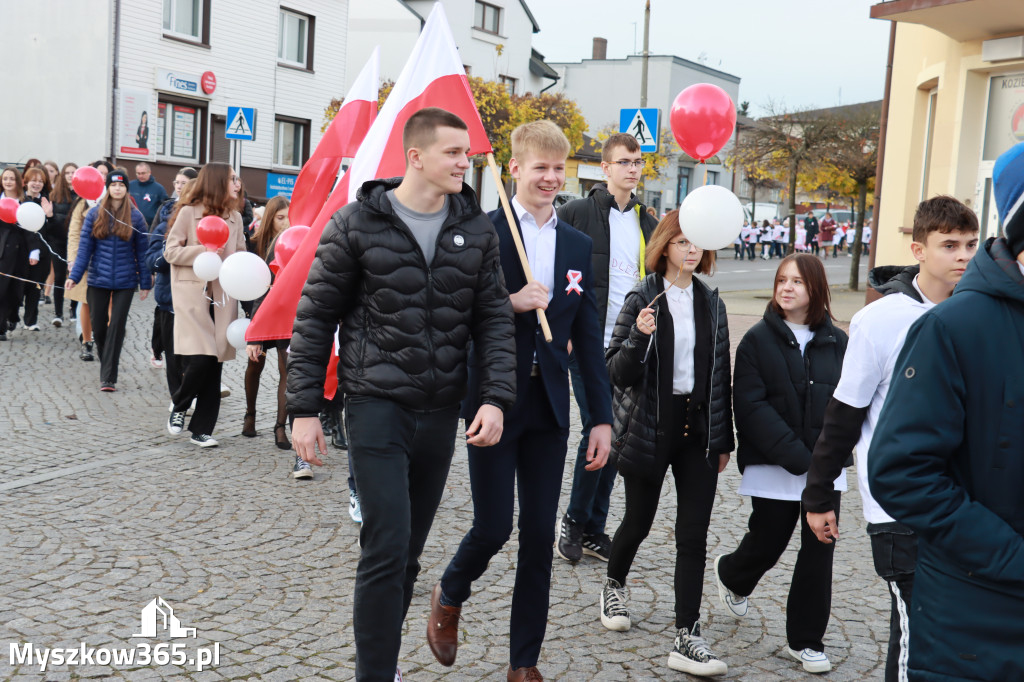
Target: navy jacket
(571,316)
(113,263)
(148,197)
(160,268)
(947,460)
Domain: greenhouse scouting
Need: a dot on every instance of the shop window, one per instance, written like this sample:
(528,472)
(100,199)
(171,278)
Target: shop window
(177,132)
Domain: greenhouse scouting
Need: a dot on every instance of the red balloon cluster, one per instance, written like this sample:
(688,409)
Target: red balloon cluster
(286,245)
(9,210)
(212,232)
(703,119)
(88,183)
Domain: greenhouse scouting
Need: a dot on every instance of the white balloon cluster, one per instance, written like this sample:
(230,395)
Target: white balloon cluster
(244,276)
(236,332)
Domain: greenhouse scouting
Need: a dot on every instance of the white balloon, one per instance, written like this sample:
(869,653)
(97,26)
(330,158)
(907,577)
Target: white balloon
(236,332)
(244,276)
(711,217)
(31,216)
(207,266)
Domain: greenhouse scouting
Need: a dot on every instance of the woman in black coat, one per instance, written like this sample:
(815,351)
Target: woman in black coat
(62,197)
(669,366)
(787,367)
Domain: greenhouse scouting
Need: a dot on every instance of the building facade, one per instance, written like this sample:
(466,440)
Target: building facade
(153,79)
(956,103)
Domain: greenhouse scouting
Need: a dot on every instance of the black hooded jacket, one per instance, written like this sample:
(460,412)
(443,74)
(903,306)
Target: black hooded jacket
(641,376)
(406,325)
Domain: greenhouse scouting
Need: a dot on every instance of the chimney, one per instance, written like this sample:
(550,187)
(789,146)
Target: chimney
(600,48)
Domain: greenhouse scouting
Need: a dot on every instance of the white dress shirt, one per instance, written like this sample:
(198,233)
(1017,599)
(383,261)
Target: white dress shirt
(680,305)
(539,244)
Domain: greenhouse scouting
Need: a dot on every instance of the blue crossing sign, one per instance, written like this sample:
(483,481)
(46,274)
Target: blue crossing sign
(644,125)
(241,124)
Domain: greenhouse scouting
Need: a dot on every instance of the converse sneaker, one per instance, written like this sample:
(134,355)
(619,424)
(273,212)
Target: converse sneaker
(31,327)
(355,510)
(570,540)
(175,423)
(398,675)
(301,469)
(598,545)
(86,353)
(813,661)
(203,440)
(614,614)
(734,603)
(692,654)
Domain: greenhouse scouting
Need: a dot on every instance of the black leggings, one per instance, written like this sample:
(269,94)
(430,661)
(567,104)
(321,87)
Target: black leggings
(696,481)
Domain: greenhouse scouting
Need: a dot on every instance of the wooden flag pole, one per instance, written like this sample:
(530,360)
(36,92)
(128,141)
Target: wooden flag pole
(541,317)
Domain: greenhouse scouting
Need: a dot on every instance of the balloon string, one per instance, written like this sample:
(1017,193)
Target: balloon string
(43,240)
(705,164)
(31,281)
(223,301)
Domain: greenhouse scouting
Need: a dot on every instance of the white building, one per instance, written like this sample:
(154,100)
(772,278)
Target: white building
(87,71)
(603,86)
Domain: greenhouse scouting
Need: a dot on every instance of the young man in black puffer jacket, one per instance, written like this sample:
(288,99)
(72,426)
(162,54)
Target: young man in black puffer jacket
(411,271)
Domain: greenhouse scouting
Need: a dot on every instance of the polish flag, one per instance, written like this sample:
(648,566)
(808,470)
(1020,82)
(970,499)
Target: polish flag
(433,77)
(342,140)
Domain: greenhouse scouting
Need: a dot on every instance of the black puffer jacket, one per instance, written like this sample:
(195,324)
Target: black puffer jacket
(590,216)
(642,380)
(780,396)
(405,327)
(57,231)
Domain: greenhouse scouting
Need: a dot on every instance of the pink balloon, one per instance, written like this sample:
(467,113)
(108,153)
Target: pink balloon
(703,120)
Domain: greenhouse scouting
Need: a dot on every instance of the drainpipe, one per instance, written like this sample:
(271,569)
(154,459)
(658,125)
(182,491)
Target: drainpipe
(114,82)
(882,126)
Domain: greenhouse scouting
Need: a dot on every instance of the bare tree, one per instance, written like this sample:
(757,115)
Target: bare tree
(854,153)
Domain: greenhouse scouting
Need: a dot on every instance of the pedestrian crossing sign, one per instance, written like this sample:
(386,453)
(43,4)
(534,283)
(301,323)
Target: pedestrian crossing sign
(241,124)
(644,125)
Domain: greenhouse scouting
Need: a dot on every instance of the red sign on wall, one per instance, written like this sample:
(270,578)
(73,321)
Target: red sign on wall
(209,82)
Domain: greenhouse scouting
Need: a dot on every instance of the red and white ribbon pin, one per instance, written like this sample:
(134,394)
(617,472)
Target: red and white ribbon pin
(574,277)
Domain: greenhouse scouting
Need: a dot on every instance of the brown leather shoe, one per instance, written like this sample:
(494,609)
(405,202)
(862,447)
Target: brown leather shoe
(443,629)
(530,674)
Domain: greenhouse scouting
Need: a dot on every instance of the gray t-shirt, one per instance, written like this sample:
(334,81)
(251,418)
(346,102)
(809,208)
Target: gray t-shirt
(424,226)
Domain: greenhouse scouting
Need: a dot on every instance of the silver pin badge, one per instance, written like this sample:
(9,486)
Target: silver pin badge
(459,240)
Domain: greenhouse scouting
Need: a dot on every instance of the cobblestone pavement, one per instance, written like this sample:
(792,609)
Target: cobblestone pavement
(101,511)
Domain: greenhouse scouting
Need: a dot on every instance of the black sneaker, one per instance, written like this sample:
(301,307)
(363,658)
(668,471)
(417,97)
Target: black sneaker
(301,469)
(598,545)
(691,654)
(614,611)
(570,540)
(203,440)
(176,422)
(3,336)
(86,353)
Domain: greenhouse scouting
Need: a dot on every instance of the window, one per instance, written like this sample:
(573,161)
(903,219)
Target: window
(488,17)
(295,40)
(177,131)
(188,19)
(929,136)
(291,142)
(509,82)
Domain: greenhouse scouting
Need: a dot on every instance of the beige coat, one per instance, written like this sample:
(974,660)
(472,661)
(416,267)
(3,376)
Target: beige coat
(195,332)
(74,236)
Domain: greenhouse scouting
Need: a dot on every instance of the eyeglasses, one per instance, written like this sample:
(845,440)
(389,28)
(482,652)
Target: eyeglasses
(684,244)
(235,180)
(626,163)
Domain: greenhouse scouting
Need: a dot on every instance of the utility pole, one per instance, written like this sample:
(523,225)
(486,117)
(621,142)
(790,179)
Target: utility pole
(643,73)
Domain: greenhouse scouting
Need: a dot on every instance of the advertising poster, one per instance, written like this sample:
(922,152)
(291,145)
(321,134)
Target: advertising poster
(1005,125)
(136,109)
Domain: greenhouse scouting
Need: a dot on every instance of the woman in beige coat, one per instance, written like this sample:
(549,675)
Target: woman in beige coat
(202,311)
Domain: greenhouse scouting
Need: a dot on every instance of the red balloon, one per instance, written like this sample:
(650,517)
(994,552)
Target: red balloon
(703,120)
(287,244)
(212,232)
(88,183)
(9,210)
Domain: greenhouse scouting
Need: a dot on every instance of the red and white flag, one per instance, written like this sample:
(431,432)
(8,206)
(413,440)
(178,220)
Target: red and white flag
(342,139)
(433,77)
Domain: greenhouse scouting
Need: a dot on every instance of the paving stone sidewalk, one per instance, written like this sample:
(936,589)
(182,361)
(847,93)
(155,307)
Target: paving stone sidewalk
(102,511)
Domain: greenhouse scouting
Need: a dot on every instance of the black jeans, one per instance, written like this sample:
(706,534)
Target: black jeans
(696,481)
(810,593)
(60,274)
(894,550)
(156,341)
(401,458)
(591,491)
(200,379)
(164,324)
(531,452)
(108,334)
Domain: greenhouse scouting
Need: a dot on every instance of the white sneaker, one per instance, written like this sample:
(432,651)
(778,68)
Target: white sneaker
(814,661)
(224,391)
(57,322)
(204,440)
(355,510)
(614,612)
(691,654)
(734,603)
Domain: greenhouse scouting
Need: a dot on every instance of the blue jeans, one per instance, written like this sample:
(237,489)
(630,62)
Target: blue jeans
(591,490)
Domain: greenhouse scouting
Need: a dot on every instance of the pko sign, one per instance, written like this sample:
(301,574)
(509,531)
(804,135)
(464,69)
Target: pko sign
(181,82)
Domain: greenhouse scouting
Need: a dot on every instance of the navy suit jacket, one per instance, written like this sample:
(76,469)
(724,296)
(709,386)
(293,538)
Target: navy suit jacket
(571,315)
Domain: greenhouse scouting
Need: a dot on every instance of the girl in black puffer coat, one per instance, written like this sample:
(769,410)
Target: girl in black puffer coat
(787,367)
(62,197)
(669,366)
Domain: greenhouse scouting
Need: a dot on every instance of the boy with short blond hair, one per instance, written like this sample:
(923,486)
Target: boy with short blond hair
(532,448)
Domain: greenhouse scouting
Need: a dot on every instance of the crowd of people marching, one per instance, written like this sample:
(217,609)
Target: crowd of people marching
(812,236)
(598,294)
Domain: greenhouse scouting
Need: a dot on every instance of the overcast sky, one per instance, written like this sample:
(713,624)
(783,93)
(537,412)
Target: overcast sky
(807,53)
